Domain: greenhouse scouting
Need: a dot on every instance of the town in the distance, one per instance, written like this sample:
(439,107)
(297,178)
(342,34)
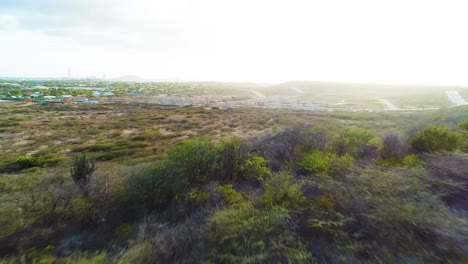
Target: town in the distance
(297,95)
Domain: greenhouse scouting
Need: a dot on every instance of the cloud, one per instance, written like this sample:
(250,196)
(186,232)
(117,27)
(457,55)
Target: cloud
(8,22)
(141,25)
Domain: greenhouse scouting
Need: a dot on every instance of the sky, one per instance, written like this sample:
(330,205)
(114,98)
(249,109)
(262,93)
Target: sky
(394,41)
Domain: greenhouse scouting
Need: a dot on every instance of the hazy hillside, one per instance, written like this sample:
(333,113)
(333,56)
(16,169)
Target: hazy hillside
(405,96)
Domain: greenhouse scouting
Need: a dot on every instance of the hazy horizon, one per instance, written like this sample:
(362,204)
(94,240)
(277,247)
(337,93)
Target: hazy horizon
(383,42)
(168,80)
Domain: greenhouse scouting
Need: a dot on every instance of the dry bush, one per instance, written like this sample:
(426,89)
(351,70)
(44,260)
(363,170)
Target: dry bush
(393,146)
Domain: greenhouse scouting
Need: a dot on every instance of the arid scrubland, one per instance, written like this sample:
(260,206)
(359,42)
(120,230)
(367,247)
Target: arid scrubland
(141,183)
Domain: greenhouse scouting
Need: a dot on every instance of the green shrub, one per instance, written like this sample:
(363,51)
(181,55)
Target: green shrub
(50,160)
(255,168)
(231,196)
(463,125)
(82,171)
(25,162)
(228,159)
(198,196)
(411,161)
(185,167)
(436,139)
(354,139)
(326,163)
(281,190)
(318,162)
(190,164)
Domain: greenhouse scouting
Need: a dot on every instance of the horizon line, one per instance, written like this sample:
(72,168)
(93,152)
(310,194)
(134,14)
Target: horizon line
(177,80)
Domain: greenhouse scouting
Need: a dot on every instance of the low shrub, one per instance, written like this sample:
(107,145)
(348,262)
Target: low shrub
(281,190)
(230,196)
(354,139)
(326,163)
(463,125)
(26,162)
(255,168)
(247,235)
(409,161)
(436,139)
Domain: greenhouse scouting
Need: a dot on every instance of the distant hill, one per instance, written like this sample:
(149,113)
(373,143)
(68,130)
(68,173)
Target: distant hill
(314,85)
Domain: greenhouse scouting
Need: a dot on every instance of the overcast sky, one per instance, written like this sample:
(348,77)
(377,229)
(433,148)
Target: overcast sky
(396,41)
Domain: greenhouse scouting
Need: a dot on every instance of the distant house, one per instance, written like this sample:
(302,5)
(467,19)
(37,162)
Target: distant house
(67,96)
(134,92)
(96,93)
(47,97)
(80,99)
(108,94)
(41,87)
(91,102)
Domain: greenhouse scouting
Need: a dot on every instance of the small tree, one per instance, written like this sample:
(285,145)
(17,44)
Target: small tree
(82,171)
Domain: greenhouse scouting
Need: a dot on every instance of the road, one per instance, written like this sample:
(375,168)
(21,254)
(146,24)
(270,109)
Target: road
(456,98)
(297,90)
(388,105)
(261,96)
